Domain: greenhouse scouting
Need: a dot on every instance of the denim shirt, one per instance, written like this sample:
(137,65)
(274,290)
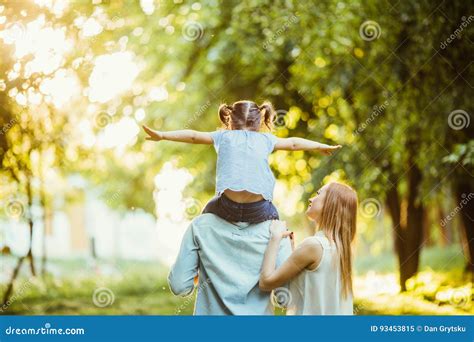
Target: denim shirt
(228,258)
(242,161)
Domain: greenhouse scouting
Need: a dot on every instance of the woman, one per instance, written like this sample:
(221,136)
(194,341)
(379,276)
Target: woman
(319,270)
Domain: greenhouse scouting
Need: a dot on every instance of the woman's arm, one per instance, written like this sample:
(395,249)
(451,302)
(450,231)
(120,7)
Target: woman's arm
(301,144)
(306,255)
(185,135)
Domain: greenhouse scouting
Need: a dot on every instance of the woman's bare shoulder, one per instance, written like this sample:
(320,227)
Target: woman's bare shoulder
(312,249)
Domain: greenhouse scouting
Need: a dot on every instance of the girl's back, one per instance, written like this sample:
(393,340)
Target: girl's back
(242,162)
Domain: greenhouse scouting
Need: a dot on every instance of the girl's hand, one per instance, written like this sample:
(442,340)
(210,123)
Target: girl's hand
(328,149)
(152,134)
(278,230)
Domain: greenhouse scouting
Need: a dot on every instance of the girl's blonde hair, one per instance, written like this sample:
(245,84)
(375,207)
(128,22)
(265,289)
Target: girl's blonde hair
(338,222)
(246,115)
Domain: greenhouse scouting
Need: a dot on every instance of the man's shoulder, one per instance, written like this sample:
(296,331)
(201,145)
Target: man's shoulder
(211,220)
(208,219)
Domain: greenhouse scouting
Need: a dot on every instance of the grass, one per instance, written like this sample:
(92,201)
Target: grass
(140,288)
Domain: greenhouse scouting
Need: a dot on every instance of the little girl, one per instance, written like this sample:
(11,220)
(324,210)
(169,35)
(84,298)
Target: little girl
(319,270)
(244,184)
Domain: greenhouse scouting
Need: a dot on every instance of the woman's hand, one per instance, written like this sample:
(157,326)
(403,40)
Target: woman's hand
(279,230)
(329,149)
(152,134)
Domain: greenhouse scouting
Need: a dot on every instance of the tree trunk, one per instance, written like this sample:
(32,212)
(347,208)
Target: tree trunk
(47,225)
(29,255)
(445,228)
(15,273)
(413,233)
(427,228)
(465,200)
(408,233)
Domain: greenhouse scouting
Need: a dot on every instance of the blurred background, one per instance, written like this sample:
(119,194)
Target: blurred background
(92,215)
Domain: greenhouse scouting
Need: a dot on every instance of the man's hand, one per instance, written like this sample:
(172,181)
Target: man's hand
(328,149)
(152,134)
(279,230)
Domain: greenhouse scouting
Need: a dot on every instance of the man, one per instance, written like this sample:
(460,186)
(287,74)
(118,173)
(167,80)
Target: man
(228,257)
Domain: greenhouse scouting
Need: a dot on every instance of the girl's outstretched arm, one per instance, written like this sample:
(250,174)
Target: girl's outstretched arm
(185,135)
(301,144)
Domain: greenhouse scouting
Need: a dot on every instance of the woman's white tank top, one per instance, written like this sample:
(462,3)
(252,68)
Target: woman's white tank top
(319,291)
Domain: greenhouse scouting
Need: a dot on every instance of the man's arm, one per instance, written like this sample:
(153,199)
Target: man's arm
(301,144)
(181,277)
(185,135)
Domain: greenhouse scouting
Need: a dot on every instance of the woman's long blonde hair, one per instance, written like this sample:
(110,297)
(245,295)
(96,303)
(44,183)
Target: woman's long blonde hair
(338,222)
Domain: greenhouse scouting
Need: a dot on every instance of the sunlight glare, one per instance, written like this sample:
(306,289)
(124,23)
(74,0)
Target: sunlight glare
(61,88)
(91,28)
(119,134)
(112,75)
(170,183)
